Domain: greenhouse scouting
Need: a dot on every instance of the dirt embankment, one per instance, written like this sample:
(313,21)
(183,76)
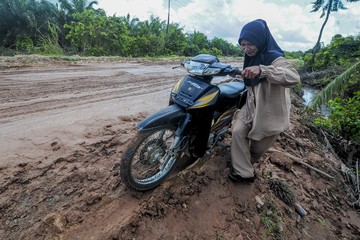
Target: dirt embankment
(64,127)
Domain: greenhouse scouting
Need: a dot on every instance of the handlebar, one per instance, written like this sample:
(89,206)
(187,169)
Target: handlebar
(233,71)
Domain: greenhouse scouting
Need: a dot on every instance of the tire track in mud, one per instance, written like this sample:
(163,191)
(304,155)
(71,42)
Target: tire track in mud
(76,101)
(21,96)
(41,200)
(53,194)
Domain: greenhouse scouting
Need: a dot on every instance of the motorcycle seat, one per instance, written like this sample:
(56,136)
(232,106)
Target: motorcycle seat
(231,90)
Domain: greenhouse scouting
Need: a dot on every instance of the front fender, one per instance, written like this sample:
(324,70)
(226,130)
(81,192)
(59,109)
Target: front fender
(169,116)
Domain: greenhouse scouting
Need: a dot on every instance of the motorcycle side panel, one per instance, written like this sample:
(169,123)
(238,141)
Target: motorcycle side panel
(169,116)
(189,89)
(209,99)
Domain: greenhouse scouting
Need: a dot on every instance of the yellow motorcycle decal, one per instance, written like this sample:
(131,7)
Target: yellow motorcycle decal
(205,100)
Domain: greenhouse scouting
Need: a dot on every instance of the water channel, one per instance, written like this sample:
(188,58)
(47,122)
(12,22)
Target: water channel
(309,94)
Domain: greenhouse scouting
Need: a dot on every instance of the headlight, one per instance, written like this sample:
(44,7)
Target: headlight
(198,68)
(211,71)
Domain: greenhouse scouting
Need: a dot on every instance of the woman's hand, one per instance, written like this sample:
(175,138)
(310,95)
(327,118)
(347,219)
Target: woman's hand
(251,72)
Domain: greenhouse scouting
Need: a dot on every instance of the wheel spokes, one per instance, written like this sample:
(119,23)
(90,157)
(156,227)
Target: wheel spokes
(154,156)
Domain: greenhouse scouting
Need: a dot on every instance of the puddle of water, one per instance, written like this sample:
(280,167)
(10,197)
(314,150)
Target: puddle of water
(309,94)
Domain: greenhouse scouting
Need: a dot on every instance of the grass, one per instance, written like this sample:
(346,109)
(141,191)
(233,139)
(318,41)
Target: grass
(323,221)
(271,221)
(36,60)
(39,60)
(219,236)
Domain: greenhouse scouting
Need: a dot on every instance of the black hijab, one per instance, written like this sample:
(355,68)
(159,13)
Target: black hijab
(258,33)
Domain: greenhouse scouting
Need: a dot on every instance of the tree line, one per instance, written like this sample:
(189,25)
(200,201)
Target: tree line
(76,27)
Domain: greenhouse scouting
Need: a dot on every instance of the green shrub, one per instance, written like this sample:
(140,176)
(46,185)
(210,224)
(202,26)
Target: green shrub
(24,44)
(344,118)
(342,51)
(7,52)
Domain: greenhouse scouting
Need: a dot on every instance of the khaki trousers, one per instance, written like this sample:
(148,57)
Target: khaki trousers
(244,151)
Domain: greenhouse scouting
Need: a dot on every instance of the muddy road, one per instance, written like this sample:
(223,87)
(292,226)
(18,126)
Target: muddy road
(64,127)
(58,114)
(40,104)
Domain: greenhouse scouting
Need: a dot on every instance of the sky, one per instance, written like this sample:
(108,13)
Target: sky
(291,23)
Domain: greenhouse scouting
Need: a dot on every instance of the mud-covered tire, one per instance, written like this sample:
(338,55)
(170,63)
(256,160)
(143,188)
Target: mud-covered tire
(141,166)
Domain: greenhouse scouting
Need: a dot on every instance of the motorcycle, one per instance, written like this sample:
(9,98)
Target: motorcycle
(198,117)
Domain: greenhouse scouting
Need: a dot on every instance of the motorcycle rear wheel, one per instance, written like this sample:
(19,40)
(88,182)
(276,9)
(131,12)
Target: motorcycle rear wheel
(149,159)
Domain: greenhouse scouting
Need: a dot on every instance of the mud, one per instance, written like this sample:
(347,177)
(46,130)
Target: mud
(64,127)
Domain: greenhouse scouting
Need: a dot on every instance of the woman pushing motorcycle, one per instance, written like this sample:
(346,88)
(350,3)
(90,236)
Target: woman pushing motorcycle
(267,76)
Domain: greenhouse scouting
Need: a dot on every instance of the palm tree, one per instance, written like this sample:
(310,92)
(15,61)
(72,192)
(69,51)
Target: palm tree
(76,6)
(131,23)
(17,20)
(156,26)
(25,23)
(334,88)
(327,7)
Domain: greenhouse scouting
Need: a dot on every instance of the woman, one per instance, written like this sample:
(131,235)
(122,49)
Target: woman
(266,113)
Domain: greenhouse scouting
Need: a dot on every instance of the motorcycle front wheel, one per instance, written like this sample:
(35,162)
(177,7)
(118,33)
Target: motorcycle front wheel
(149,159)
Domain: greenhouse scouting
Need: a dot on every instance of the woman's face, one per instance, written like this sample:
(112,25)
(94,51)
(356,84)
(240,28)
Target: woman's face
(248,48)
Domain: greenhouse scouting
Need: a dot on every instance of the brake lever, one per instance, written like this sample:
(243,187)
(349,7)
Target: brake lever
(235,72)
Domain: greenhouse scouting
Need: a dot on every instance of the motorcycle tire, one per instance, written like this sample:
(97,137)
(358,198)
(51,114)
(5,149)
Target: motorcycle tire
(147,161)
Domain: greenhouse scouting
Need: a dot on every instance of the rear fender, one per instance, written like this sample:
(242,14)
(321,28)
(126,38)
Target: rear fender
(169,116)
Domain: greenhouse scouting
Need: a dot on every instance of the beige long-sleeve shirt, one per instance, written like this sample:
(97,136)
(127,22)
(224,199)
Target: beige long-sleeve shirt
(267,108)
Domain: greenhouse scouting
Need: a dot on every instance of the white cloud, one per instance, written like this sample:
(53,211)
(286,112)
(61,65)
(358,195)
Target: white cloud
(291,22)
